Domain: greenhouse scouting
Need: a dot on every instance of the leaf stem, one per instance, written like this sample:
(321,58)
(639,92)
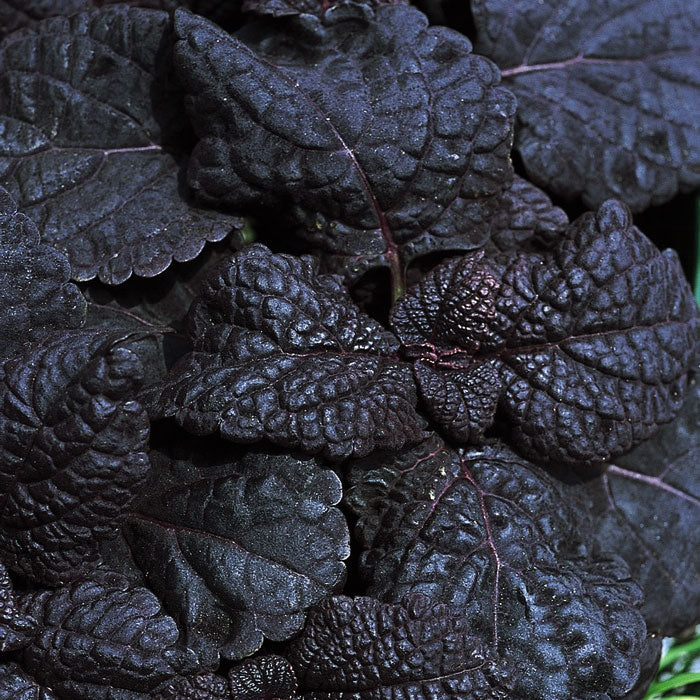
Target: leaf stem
(676,682)
(677,651)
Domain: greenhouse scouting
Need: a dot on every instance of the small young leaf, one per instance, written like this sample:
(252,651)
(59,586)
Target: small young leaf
(584,348)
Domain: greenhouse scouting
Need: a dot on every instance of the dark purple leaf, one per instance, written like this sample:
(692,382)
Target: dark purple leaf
(237,548)
(102,641)
(585,348)
(15,684)
(35,293)
(366,650)
(386,139)
(608,93)
(71,451)
(16,629)
(285,8)
(282,353)
(647,509)
(92,136)
(206,686)
(265,678)
(262,678)
(500,542)
(527,216)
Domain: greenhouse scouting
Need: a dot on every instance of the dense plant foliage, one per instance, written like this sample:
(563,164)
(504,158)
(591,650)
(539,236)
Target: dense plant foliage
(307,389)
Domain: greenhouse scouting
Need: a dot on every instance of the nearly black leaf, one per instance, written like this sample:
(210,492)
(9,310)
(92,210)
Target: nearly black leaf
(35,292)
(102,640)
(647,509)
(16,629)
(237,548)
(385,138)
(608,93)
(72,459)
(500,542)
(92,134)
(282,353)
(584,348)
(363,649)
(15,684)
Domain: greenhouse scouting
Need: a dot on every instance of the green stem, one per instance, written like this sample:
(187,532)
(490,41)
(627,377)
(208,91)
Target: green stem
(676,651)
(676,682)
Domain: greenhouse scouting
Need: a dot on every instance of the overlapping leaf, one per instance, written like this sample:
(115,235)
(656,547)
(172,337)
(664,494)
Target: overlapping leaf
(16,629)
(100,640)
(71,451)
(92,134)
(367,650)
(282,353)
(499,541)
(386,139)
(286,8)
(608,93)
(35,292)
(18,685)
(237,548)
(585,349)
(267,677)
(647,509)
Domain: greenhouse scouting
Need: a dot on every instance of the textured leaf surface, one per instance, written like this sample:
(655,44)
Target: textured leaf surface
(526,217)
(608,93)
(283,353)
(647,509)
(263,678)
(367,650)
(584,349)
(386,146)
(498,540)
(238,548)
(35,293)
(16,684)
(92,133)
(285,8)
(16,629)
(102,640)
(71,454)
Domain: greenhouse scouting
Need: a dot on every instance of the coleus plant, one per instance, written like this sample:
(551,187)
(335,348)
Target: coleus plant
(237,470)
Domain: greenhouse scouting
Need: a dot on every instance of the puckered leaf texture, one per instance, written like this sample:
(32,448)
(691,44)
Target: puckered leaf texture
(367,650)
(283,353)
(237,548)
(18,685)
(16,629)
(608,93)
(102,640)
(647,509)
(72,451)
(92,133)
(35,292)
(499,541)
(386,138)
(20,14)
(584,348)
(269,677)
